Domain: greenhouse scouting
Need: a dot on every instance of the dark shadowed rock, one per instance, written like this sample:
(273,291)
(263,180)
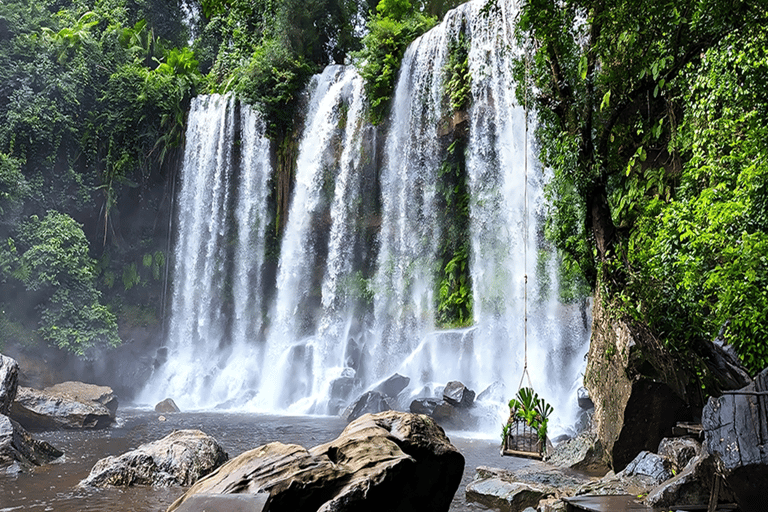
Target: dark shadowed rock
(382,462)
(179,458)
(736,431)
(649,464)
(458,395)
(393,385)
(370,402)
(167,405)
(70,405)
(582,396)
(9,382)
(425,405)
(692,486)
(19,451)
(679,451)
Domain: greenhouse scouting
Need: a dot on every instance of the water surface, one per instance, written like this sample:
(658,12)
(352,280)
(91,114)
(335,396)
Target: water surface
(54,487)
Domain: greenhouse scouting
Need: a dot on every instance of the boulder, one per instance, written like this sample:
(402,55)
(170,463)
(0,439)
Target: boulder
(380,462)
(651,465)
(496,392)
(642,474)
(736,431)
(582,396)
(393,386)
(425,405)
(180,458)
(167,405)
(690,487)
(503,495)
(19,451)
(70,405)
(369,402)
(342,389)
(86,393)
(582,453)
(639,389)
(9,382)
(224,503)
(458,395)
(679,451)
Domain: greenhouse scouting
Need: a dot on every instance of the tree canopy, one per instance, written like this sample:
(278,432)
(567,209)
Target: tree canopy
(651,116)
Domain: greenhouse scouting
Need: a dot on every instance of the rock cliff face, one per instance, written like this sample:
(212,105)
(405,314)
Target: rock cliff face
(640,392)
(736,430)
(381,462)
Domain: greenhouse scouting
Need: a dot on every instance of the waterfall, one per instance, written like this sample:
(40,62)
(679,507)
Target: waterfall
(364,250)
(216,302)
(312,312)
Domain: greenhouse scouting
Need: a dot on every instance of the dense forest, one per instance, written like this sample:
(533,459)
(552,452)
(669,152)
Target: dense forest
(651,117)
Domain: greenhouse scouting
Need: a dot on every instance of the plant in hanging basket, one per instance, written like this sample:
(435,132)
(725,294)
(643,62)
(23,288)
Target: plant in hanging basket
(526,429)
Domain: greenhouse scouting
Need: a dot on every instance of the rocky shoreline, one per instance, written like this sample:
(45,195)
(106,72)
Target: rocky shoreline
(380,454)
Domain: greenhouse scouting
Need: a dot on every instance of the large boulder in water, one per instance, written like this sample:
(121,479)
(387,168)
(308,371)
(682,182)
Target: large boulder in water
(9,382)
(736,431)
(458,395)
(19,451)
(180,458)
(381,462)
(69,405)
(370,402)
(393,386)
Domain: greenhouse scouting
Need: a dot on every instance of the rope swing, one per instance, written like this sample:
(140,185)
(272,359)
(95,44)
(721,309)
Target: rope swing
(525,237)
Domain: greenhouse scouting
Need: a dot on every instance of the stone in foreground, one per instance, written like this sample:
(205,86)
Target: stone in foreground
(9,381)
(736,431)
(380,462)
(180,458)
(19,451)
(69,405)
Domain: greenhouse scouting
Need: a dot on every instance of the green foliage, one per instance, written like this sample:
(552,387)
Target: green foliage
(390,32)
(454,287)
(458,84)
(271,80)
(13,186)
(533,410)
(699,259)
(647,115)
(49,257)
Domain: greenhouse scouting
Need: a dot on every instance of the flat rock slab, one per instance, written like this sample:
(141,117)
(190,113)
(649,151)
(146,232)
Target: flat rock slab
(225,503)
(69,405)
(624,503)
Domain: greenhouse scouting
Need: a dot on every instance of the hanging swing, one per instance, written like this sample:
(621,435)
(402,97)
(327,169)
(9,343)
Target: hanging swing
(525,433)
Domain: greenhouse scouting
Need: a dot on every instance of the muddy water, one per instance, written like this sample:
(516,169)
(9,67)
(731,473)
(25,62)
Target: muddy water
(54,487)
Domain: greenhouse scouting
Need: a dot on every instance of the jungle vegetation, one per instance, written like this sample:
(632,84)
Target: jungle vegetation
(651,116)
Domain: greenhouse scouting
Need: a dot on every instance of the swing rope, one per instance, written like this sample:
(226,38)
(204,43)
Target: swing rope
(525,237)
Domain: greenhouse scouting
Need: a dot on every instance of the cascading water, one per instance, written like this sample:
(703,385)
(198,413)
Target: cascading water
(216,305)
(366,234)
(312,312)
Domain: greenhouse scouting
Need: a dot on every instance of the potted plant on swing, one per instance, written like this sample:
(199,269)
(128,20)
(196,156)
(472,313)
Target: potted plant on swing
(525,433)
